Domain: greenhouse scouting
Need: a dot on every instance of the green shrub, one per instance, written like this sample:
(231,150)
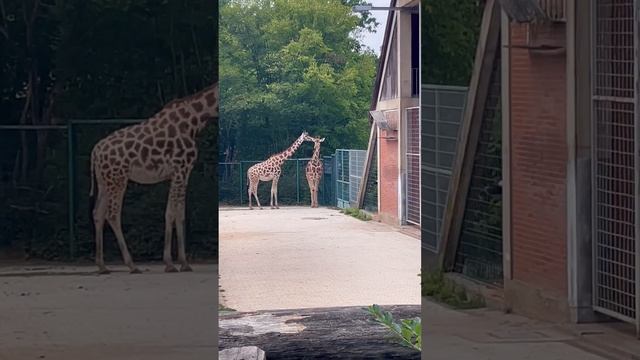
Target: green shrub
(407,331)
(356,213)
(441,289)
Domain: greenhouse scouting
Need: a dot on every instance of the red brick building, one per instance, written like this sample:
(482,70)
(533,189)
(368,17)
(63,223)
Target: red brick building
(570,234)
(395,110)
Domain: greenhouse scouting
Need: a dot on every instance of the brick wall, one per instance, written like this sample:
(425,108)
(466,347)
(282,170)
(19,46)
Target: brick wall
(538,168)
(388,176)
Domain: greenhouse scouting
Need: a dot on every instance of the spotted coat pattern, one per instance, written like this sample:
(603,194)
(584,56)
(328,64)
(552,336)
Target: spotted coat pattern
(314,170)
(161,148)
(270,170)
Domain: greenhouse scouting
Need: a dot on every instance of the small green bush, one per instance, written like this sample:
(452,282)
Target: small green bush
(357,213)
(441,289)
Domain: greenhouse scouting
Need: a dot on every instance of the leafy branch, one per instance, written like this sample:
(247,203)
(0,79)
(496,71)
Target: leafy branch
(407,331)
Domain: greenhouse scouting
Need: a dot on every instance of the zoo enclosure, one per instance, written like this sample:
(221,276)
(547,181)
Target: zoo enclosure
(49,217)
(338,186)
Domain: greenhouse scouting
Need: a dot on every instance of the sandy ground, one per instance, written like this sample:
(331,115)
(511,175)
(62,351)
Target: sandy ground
(485,334)
(298,257)
(76,314)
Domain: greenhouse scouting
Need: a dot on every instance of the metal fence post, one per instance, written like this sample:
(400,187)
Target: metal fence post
(241,180)
(71,195)
(298,180)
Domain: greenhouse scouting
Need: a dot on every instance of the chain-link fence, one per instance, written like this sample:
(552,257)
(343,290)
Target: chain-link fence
(293,188)
(479,253)
(338,187)
(46,211)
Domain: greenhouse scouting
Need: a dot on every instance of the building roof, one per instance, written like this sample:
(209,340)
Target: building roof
(383,56)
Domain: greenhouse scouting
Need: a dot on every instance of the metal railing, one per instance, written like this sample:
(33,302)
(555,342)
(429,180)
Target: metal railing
(554,9)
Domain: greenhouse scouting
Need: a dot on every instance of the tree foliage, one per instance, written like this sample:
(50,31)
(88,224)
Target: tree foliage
(93,59)
(288,66)
(449,37)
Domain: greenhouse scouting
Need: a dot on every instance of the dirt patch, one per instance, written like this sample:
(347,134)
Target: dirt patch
(69,312)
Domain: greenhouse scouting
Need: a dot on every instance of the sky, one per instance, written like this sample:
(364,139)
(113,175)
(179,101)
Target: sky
(374,40)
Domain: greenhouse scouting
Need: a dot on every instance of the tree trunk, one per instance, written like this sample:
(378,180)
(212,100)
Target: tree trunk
(329,333)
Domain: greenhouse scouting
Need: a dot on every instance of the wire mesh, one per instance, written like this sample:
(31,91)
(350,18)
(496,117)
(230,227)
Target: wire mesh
(442,112)
(413,166)
(349,164)
(59,199)
(293,188)
(479,253)
(356,169)
(371,190)
(614,222)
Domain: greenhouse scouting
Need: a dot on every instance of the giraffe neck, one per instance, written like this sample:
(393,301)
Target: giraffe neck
(316,152)
(292,149)
(195,111)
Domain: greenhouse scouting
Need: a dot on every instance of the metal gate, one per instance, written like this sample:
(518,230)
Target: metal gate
(615,160)
(349,168)
(442,111)
(412,198)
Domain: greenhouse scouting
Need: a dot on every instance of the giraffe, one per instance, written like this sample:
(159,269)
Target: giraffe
(161,148)
(314,170)
(270,170)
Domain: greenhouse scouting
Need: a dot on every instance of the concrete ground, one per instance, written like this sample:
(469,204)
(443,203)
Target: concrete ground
(299,257)
(492,335)
(61,313)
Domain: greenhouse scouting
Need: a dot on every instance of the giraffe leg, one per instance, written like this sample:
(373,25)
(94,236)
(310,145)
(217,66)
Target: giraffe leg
(99,215)
(272,195)
(250,199)
(274,189)
(176,206)
(315,193)
(310,190)
(114,218)
(254,188)
(169,219)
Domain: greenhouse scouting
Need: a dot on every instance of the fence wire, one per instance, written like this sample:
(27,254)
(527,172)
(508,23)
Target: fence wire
(60,195)
(293,188)
(442,112)
(479,254)
(615,151)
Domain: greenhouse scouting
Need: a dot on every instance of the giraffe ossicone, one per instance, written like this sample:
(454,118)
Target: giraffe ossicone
(314,170)
(161,148)
(270,170)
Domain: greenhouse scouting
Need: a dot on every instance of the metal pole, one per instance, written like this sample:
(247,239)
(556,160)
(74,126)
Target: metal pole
(298,180)
(71,190)
(636,70)
(241,181)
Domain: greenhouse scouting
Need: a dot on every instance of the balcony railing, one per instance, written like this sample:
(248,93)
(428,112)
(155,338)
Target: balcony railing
(554,9)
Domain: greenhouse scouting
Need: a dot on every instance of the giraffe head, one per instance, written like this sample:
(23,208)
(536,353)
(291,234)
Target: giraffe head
(315,140)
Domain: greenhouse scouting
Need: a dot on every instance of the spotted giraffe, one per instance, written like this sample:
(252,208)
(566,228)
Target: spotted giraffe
(161,148)
(314,170)
(270,170)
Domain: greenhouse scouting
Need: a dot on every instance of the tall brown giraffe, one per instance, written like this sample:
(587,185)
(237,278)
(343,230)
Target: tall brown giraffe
(270,170)
(314,170)
(160,148)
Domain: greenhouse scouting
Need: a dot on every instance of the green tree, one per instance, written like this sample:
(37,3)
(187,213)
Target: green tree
(288,66)
(449,37)
(92,59)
